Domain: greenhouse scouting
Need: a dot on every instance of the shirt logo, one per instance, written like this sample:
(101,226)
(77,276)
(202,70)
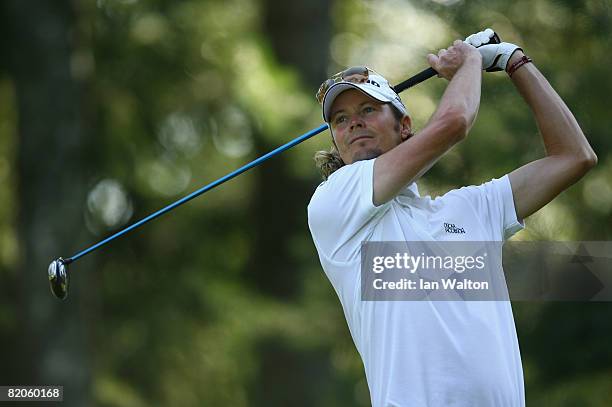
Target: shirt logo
(451,228)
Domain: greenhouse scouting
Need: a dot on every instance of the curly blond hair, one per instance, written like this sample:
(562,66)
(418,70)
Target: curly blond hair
(328,162)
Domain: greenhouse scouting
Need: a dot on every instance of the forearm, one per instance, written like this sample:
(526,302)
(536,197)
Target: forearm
(461,99)
(560,131)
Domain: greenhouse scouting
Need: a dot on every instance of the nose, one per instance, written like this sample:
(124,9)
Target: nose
(356,121)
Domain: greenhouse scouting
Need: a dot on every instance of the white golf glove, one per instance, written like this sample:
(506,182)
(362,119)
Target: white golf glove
(494,56)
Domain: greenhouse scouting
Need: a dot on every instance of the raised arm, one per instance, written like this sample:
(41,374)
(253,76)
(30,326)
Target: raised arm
(568,153)
(461,64)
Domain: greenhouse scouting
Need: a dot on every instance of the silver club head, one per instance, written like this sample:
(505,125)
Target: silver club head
(58,278)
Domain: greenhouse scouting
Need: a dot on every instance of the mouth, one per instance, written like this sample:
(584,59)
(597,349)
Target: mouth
(360,138)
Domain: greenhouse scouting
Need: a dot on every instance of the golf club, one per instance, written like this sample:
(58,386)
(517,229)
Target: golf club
(58,269)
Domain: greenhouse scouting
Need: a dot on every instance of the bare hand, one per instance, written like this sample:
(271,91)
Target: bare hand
(448,61)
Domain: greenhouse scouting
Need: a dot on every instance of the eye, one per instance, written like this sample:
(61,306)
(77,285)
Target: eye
(340,119)
(368,109)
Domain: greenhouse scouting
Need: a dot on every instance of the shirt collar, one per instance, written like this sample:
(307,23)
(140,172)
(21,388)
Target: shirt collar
(411,190)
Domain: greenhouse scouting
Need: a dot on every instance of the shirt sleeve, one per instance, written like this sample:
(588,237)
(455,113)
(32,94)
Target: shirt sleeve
(341,210)
(494,202)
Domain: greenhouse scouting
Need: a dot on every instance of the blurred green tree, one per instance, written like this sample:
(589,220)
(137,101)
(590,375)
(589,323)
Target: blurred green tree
(48,339)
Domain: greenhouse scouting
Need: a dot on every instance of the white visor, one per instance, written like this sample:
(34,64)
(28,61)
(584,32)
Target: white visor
(376,86)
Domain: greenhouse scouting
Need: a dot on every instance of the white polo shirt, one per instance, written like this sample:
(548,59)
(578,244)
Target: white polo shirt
(420,353)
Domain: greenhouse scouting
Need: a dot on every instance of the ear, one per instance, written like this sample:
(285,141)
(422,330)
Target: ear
(405,128)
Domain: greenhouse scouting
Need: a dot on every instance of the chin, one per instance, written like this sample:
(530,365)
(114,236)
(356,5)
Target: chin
(366,154)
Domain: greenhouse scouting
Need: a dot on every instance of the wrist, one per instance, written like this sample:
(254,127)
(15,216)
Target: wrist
(515,57)
(474,58)
(472,62)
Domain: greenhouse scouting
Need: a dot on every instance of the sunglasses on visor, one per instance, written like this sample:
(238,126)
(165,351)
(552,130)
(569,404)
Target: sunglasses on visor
(355,74)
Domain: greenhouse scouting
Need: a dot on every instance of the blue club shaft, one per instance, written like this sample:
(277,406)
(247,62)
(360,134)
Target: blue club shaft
(200,191)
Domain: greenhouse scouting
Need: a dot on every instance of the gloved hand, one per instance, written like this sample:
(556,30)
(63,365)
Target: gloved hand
(494,56)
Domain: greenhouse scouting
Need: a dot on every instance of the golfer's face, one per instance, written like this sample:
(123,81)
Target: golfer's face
(363,128)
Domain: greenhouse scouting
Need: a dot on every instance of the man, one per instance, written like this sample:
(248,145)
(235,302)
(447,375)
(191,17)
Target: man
(433,353)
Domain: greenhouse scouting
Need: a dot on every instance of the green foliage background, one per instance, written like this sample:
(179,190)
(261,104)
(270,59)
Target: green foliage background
(109,110)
